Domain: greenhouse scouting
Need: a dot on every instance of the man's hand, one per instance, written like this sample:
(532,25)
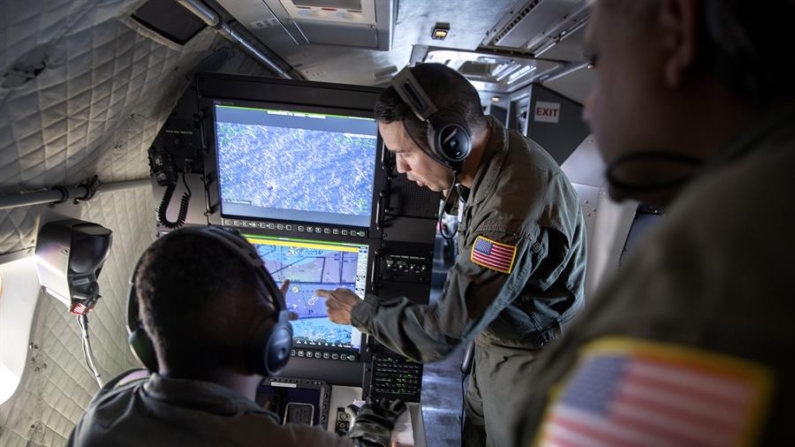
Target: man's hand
(339,304)
(372,424)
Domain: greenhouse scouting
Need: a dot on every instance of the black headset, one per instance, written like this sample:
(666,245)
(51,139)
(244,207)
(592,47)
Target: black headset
(269,347)
(449,137)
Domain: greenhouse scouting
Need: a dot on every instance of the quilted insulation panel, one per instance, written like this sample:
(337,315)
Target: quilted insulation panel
(108,87)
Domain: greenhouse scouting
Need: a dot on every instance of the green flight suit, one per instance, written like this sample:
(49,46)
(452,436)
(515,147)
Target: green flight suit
(708,294)
(519,277)
(161,411)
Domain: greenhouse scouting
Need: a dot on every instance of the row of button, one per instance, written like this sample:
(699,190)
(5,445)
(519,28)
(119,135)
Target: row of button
(404,380)
(387,365)
(322,355)
(335,231)
(264,225)
(397,390)
(397,370)
(299,228)
(405,268)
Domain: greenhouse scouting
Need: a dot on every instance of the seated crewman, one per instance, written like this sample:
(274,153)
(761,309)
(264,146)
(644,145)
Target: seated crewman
(218,325)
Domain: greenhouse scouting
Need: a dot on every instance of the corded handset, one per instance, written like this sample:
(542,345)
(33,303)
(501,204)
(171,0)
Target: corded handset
(162,168)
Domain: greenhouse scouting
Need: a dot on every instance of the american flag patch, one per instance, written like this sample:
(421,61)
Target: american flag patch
(493,255)
(630,393)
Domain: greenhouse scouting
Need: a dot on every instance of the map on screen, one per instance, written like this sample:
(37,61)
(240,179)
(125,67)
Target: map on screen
(312,266)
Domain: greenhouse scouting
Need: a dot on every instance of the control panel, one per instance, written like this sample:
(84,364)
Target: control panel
(342,396)
(406,268)
(343,423)
(394,376)
(398,235)
(296,400)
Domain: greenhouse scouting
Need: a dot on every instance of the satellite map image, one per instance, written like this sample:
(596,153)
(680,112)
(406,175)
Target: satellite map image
(296,169)
(309,269)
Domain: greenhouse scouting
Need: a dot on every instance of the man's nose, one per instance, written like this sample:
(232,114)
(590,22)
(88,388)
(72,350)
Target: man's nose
(402,166)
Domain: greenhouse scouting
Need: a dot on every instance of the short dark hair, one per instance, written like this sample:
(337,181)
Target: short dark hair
(742,44)
(195,297)
(449,91)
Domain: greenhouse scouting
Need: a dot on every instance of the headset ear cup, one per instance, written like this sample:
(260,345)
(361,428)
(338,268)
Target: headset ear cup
(453,137)
(139,341)
(450,139)
(279,346)
(142,349)
(269,350)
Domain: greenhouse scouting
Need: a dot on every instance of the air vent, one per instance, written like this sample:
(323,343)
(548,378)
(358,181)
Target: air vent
(518,19)
(334,11)
(287,25)
(169,19)
(533,21)
(487,71)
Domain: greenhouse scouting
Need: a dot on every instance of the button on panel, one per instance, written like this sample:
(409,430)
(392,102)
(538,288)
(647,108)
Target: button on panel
(289,227)
(323,355)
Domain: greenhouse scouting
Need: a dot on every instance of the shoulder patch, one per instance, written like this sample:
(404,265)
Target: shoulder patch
(626,392)
(493,255)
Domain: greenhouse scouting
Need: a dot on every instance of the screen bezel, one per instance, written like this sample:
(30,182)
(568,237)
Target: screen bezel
(332,97)
(274,216)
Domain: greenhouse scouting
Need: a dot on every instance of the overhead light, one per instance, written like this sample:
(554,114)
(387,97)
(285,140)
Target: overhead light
(440,30)
(495,99)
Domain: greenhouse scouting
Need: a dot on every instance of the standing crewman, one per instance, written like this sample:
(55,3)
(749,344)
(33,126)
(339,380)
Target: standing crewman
(692,343)
(521,270)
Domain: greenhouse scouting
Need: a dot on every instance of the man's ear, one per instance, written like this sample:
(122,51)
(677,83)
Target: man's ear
(679,21)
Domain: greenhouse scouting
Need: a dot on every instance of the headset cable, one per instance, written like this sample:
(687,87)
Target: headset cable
(88,353)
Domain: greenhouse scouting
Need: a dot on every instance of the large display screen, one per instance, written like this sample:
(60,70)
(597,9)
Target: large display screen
(295,165)
(312,265)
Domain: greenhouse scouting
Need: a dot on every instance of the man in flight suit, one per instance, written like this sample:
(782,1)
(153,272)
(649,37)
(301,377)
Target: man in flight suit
(208,315)
(520,275)
(691,343)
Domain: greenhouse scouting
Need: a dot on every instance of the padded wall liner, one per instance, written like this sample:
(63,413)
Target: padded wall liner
(108,87)
(95,109)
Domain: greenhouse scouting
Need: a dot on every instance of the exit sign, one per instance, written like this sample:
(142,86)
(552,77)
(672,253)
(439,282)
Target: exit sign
(547,112)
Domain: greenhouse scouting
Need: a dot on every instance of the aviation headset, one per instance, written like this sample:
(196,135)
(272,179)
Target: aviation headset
(449,137)
(269,347)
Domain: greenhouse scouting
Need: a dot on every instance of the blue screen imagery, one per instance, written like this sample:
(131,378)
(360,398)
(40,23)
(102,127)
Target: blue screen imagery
(310,266)
(317,168)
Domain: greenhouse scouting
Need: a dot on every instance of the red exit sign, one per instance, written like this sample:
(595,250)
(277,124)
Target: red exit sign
(547,112)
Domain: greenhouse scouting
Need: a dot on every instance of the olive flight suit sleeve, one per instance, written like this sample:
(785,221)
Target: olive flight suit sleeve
(492,269)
